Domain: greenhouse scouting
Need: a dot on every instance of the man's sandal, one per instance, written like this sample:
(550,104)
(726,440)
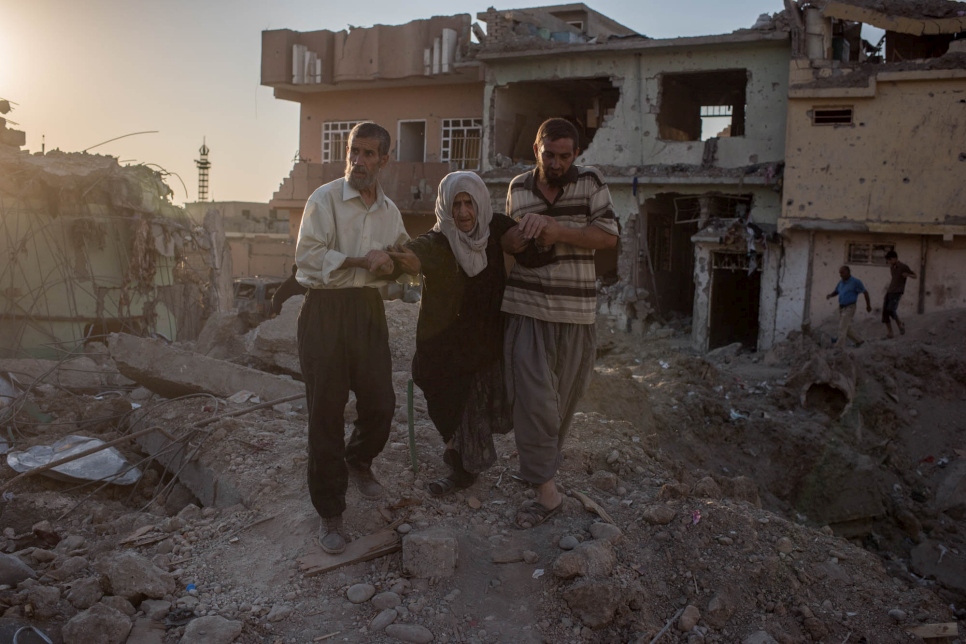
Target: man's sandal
(532,513)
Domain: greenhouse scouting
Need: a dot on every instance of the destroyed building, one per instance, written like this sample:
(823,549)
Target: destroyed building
(416,79)
(92,248)
(259,236)
(692,135)
(876,157)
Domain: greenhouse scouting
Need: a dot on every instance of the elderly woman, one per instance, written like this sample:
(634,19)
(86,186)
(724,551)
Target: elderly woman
(459,335)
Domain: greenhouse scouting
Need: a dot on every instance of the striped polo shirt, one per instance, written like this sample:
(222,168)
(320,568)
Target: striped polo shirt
(564,289)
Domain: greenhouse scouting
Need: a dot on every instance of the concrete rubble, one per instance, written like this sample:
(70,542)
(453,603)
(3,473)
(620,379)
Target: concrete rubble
(173,372)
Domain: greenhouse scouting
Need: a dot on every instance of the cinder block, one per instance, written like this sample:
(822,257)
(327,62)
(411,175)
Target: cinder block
(430,554)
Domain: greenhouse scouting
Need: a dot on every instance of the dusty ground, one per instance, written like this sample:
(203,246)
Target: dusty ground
(728,493)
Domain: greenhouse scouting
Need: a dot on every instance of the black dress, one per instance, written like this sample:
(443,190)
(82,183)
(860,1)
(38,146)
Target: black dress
(459,346)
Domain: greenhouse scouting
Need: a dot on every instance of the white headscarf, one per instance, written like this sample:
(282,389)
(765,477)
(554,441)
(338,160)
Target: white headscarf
(468,248)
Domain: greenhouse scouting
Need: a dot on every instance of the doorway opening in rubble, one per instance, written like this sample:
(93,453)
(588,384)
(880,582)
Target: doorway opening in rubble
(520,108)
(696,106)
(735,295)
(667,265)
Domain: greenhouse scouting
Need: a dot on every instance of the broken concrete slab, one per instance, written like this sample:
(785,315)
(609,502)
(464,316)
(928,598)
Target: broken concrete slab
(79,375)
(274,341)
(933,560)
(173,372)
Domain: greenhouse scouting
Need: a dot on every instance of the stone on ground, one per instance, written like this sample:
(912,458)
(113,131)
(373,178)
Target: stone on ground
(385,600)
(759,637)
(605,532)
(99,624)
(212,629)
(382,620)
(590,559)
(594,602)
(13,570)
(689,619)
(412,633)
(360,593)
(430,554)
(85,592)
(133,577)
(155,608)
(658,515)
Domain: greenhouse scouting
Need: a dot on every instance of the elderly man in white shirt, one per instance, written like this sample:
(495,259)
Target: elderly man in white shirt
(343,339)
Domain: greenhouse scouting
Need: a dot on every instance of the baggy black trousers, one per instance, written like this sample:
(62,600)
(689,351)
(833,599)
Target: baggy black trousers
(343,345)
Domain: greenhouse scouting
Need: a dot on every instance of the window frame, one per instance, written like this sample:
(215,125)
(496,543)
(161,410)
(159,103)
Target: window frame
(832,108)
(344,127)
(446,141)
(882,247)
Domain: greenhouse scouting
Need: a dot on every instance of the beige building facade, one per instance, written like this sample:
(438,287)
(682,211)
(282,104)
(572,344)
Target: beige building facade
(876,163)
(418,80)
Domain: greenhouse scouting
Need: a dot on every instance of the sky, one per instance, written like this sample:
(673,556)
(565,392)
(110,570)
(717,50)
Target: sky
(83,72)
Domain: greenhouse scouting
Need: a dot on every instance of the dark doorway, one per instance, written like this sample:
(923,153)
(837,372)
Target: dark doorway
(735,294)
(667,259)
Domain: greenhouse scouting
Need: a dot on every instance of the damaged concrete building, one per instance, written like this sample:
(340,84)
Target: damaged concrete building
(693,136)
(876,157)
(417,79)
(689,133)
(92,247)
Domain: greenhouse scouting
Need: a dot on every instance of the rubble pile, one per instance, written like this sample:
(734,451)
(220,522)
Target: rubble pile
(703,498)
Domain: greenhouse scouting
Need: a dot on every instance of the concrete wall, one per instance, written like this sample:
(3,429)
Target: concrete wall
(902,161)
(630,137)
(387,106)
(253,255)
(810,282)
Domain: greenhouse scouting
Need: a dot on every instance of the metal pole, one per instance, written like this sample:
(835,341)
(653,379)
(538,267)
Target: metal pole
(412,427)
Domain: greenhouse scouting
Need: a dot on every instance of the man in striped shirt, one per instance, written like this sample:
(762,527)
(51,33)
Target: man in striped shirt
(565,211)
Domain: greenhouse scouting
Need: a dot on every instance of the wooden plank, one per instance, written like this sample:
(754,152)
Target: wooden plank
(930,631)
(373,546)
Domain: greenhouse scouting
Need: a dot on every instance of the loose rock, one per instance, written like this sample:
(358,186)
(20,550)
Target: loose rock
(569,542)
(413,633)
(360,593)
(85,592)
(382,601)
(605,531)
(13,570)
(212,629)
(594,602)
(382,620)
(689,619)
(133,577)
(589,559)
(658,515)
(100,624)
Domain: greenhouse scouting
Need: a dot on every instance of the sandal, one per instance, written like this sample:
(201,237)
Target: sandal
(532,513)
(451,483)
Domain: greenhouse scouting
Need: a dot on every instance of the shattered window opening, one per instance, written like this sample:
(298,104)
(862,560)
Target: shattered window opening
(736,261)
(868,253)
(832,116)
(520,108)
(696,106)
(700,209)
(462,143)
(335,137)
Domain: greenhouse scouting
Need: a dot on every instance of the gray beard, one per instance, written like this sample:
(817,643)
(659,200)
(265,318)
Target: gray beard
(359,183)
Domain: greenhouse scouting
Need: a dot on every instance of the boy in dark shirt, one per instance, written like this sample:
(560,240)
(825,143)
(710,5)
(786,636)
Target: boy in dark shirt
(894,293)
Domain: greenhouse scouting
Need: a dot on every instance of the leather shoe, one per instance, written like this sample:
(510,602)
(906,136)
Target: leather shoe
(366,482)
(331,537)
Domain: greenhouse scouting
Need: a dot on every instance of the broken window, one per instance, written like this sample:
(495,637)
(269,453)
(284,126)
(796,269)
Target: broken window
(462,143)
(900,47)
(832,116)
(706,207)
(868,253)
(520,108)
(411,142)
(697,106)
(335,138)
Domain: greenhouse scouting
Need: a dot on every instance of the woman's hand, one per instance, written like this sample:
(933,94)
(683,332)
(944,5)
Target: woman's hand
(405,259)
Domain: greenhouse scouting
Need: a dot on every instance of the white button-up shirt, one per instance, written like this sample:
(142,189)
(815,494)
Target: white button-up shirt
(337,224)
